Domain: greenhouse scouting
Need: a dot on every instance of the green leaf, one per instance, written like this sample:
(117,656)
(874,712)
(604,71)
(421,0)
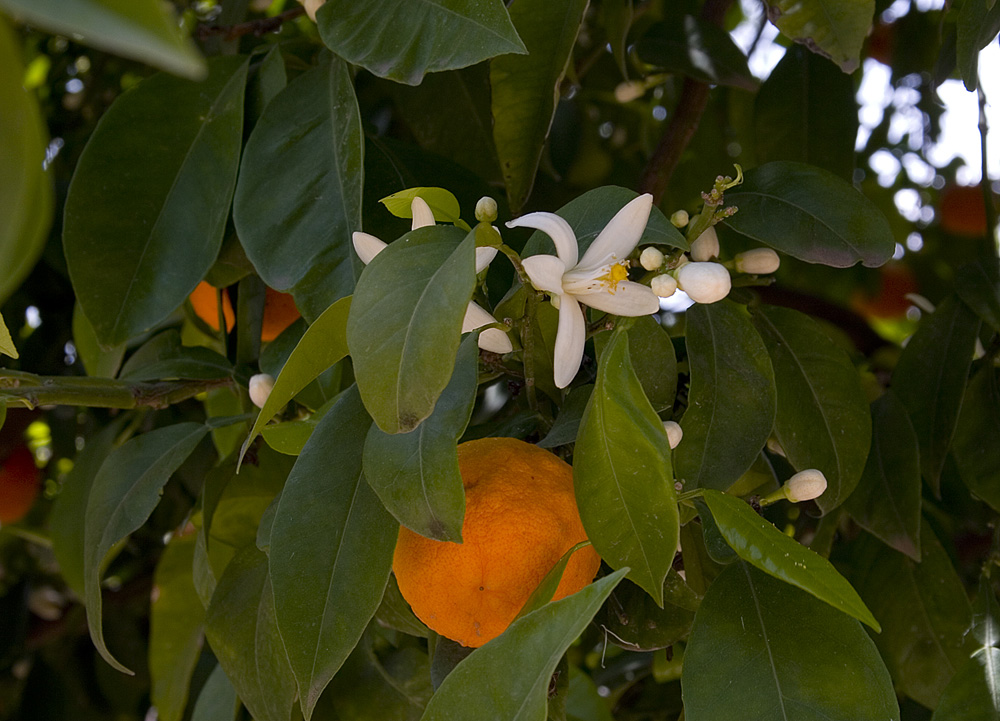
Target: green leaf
(977,437)
(124,493)
(6,342)
(978,285)
(403,40)
(977,26)
(150,198)
(243,633)
(525,88)
(416,474)
(698,49)
(589,213)
(653,360)
(763,650)
(546,589)
(176,628)
(323,344)
(583,701)
(25,187)
(443,203)
(145,31)
(930,379)
(331,550)
(394,612)
(529,651)
(163,356)
(805,111)
(299,193)
(822,419)
(833,28)
(886,502)
(622,474)
(616,17)
(758,542)
(567,424)
(98,362)
(633,621)
(731,404)
(217,700)
(924,613)
(811,214)
(405,324)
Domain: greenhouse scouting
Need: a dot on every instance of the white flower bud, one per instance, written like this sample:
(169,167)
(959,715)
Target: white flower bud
(651,258)
(311,7)
(704,282)
(759,261)
(261,385)
(774,446)
(805,486)
(705,246)
(679,219)
(486,210)
(674,433)
(663,285)
(629,90)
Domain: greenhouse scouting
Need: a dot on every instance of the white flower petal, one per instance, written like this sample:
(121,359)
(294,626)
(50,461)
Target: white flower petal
(620,235)
(556,228)
(492,339)
(571,336)
(484,256)
(545,272)
(367,246)
(631,299)
(422,215)
(705,246)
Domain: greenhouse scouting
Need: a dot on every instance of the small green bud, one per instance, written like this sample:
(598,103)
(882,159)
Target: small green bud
(486,210)
(679,219)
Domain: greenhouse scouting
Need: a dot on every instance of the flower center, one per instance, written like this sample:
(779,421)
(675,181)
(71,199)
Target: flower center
(607,277)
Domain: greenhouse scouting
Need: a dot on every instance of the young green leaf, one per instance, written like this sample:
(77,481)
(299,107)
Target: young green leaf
(763,650)
(758,542)
(443,204)
(217,700)
(623,476)
(6,342)
(836,30)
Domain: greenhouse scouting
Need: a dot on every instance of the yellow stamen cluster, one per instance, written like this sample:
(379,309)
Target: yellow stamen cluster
(616,273)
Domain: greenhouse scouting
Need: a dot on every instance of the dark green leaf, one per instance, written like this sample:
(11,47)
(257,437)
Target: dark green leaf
(525,88)
(977,437)
(331,550)
(164,357)
(97,361)
(176,628)
(402,40)
(583,701)
(243,632)
(633,621)
(299,194)
(124,493)
(217,700)
(924,614)
(698,49)
(986,615)
(616,16)
(833,28)
(416,474)
(811,214)
(529,651)
(758,542)
(731,404)
(25,187)
(930,379)
(623,477)
(406,321)
(978,285)
(546,589)
(763,650)
(977,26)
(394,612)
(364,691)
(567,423)
(805,111)
(150,198)
(973,694)
(653,360)
(822,419)
(144,31)
(886,502)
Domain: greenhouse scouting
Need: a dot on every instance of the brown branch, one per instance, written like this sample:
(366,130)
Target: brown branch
(256,28)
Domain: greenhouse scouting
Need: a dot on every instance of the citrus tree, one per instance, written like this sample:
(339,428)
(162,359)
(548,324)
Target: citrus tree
(464,359)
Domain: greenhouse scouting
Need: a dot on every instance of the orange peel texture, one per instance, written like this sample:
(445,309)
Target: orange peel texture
(280,310)
(520,518)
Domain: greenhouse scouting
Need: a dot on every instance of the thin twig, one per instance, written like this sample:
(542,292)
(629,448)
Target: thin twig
(33,391)
(257,28)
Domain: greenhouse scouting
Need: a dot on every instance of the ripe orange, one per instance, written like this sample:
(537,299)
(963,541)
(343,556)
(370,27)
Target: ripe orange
(520,518)
(20,479)
(279,310)
(963,211)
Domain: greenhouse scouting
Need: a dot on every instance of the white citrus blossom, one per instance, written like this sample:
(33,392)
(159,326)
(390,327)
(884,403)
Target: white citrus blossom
(805,485)
(599,279)
(492,339)
(759,261)
(704,282)
(705,246)
(261,385)
(311,7)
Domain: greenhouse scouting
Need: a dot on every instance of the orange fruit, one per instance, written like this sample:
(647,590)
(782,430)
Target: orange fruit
(20,480)
(897,280)
(963,211)
(280,310)
(520,518)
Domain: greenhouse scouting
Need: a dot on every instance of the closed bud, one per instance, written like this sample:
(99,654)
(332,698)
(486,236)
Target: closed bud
(651,258)
(486,210)
(674,433)
(704,282)
(679,219)
(705,246)
(629,90)
(759,261)
(311,7)
(805,486)
(261,386)
(663,285)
